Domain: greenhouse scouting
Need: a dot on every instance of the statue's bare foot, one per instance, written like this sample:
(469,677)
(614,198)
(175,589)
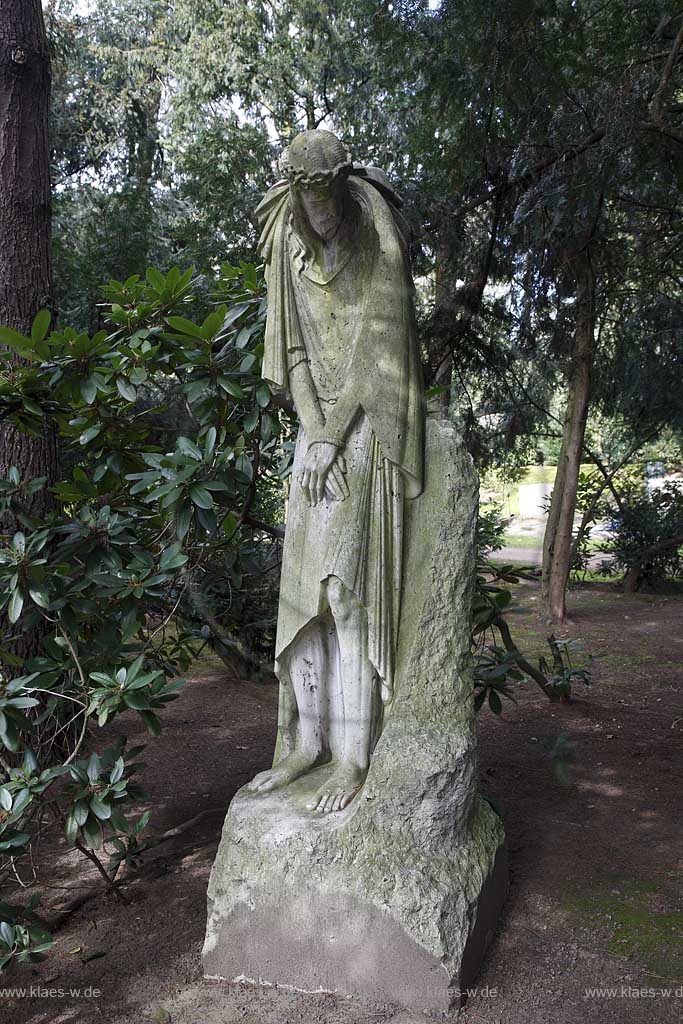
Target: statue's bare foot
(339,790)
(295,764)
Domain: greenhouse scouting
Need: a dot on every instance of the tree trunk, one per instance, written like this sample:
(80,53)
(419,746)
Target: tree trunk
(25,216)
(557,542)
(444,286)
(25,235)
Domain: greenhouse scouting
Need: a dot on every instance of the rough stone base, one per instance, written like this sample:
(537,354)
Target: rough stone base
(395,898)
(314,932)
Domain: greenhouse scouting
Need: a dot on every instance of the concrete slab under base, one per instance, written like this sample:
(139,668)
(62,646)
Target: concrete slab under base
(338,944)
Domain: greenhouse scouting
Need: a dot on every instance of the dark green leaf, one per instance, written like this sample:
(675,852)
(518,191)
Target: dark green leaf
(200,496)
(126,389)
(16,604)
(179,323)
(40,326)
(99,808)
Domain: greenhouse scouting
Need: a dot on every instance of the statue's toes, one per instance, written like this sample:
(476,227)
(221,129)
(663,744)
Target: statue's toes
(254,784)
(325,802)
(325,805)
(264,782)
(274,782)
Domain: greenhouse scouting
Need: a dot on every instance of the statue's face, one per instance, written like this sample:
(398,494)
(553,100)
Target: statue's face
(324,210)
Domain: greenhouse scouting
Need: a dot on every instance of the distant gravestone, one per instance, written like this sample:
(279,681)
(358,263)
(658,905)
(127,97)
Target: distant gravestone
(365,861)
(533,500)
(654,476)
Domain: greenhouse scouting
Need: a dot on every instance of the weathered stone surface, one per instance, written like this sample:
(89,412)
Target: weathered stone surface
(394,898)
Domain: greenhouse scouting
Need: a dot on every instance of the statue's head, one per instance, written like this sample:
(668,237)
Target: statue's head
(316,164)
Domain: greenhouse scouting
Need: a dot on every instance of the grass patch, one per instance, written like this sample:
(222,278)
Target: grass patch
(643,927)
(589,576)
(539,475)
(520,540)
(533,540)
(208,661)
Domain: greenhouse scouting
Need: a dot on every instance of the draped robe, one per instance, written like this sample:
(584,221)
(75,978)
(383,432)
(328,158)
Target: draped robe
(355,328)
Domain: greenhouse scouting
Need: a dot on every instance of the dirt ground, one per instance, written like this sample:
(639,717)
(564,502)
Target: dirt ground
(595,896)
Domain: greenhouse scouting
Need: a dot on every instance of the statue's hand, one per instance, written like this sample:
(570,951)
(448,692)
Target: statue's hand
(336,485)
(317,464)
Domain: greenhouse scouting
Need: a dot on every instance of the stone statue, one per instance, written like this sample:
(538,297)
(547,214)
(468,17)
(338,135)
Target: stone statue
(365,860)
(340,339)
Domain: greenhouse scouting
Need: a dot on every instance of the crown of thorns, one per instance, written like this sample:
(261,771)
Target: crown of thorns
(315,158)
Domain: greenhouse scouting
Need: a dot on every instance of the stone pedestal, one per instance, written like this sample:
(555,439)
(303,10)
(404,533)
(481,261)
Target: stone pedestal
(395,898)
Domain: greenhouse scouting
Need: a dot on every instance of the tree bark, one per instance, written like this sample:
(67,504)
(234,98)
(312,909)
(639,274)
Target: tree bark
(25,201)
(25,235)
(557,541)
(444,286)
(25,216)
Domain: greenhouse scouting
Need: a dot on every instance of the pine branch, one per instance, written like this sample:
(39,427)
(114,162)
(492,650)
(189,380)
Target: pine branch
(658,101)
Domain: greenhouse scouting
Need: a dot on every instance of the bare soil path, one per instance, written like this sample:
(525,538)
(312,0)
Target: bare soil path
(595,899)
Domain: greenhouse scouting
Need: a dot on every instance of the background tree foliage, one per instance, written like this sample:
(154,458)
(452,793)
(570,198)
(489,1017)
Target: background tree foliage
(538,145)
